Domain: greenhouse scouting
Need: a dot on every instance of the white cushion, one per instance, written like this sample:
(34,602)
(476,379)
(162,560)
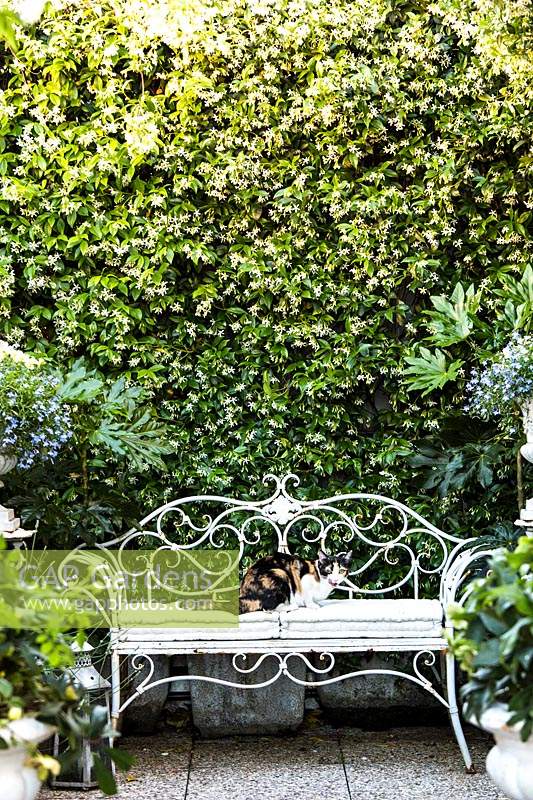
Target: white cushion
(380,618)
(252,626)
(335,619)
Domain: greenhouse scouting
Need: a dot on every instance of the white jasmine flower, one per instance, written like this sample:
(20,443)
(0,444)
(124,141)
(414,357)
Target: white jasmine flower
(6,351)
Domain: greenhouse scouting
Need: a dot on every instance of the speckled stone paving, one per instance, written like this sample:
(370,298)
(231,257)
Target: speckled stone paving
(319,762)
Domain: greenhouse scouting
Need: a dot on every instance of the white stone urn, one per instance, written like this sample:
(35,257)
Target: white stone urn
(526,514)
(9,524)
(7,463)
(510,762)
(17,780)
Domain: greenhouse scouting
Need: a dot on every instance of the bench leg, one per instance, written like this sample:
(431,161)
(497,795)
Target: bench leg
(115,688)
(454,713)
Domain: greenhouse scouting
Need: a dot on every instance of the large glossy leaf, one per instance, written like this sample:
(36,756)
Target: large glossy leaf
(430,370)
(453,320)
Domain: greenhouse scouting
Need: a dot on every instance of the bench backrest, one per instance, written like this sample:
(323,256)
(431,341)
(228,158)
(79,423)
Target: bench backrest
(385,535)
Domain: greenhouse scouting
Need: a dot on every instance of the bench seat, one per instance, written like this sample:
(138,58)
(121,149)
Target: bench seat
(382,531)
(335,619)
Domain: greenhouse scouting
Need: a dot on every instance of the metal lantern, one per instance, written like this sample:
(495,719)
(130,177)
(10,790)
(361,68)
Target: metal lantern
(80,773)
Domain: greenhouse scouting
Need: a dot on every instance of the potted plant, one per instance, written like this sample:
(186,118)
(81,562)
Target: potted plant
(504,383)
(493,643)
(27,699)
(39,696)
(34,422)
(501,388)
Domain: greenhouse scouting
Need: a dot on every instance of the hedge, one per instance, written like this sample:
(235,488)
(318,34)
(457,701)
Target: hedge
(258,209)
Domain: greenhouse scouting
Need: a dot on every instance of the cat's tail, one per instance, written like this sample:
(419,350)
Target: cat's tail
(246,605)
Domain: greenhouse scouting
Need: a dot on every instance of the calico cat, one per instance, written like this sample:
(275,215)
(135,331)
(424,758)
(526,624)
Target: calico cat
(285,582)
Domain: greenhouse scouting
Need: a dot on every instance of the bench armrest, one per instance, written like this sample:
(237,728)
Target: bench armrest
(458,570)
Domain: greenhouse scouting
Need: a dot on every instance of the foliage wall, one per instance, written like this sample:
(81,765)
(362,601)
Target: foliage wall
(259,209)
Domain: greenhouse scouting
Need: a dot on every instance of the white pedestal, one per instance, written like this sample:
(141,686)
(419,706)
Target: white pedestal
(10,527)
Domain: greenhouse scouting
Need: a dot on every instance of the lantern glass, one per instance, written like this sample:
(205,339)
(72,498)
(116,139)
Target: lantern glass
(78,773)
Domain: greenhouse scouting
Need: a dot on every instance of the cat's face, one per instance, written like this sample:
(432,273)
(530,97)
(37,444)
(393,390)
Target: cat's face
(333,569)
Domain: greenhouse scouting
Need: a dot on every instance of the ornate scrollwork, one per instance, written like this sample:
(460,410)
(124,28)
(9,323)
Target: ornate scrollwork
(429,661)
(386,528)
(282,664)
(136,663)
(282,510)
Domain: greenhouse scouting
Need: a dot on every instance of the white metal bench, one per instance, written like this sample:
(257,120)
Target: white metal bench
(375,618)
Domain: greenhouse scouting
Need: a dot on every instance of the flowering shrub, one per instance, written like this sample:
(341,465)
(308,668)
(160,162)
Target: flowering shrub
(117,438)
(259,210)
(505,381)
(34,423)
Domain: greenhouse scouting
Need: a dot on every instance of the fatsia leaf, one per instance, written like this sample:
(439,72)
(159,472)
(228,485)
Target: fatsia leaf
(79,385)
(429,371)
(454,319)
(142,441)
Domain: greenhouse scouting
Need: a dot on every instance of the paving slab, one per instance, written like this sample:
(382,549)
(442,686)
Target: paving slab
(160,771)
(415,764)
(305,767)
(321,761)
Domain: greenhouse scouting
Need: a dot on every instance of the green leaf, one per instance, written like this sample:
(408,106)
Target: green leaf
(429,371)
(453,320)
(492,624)
(104,776)
(99,719)
(488,654)
(121,758)
(8,20)
(79,386)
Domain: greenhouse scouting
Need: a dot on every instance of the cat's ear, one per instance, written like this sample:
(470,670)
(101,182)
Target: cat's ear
(347,558)
(322,556)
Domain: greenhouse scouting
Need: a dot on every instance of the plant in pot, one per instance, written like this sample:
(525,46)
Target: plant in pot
(493,643)
(118,441)
(38,695)
(34,422)
(503,388)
